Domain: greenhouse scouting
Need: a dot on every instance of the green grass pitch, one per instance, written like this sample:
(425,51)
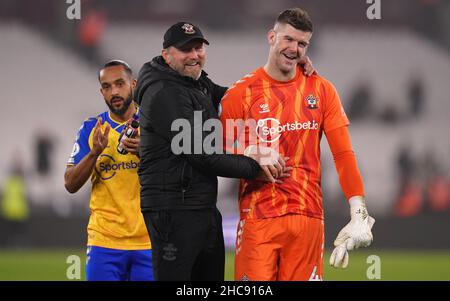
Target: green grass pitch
(395,265)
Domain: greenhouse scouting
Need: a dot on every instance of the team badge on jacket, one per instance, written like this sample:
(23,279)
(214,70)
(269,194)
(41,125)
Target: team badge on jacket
(311,101)
(188,28)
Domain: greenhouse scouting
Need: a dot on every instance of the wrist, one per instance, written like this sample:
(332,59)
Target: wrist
(93,155)
(358,207)
(250,150)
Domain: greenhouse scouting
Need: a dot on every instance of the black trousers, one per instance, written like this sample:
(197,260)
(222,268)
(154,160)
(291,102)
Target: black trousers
(187,245)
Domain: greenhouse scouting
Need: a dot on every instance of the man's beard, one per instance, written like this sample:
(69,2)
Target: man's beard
(184,71)
(121,111)
(285,70)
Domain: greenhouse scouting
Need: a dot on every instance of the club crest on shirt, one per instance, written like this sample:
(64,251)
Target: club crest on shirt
(311,101)
(264,108)
(188,28)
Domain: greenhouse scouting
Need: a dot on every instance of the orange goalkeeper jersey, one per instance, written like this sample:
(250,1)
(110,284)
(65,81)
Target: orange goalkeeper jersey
(291,118)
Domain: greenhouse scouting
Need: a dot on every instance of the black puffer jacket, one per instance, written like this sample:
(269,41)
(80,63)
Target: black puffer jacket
(185,181)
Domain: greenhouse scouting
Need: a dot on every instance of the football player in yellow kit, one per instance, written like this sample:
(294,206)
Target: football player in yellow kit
(118,243)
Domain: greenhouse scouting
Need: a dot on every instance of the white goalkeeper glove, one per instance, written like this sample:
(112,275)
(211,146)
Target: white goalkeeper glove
(356,234)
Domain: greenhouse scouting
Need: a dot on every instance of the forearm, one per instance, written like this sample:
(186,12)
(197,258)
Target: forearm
(349,176)
(76,176)
(345,161)
(224,165)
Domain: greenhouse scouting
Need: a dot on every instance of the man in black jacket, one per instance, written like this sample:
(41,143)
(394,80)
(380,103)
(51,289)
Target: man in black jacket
(179,191)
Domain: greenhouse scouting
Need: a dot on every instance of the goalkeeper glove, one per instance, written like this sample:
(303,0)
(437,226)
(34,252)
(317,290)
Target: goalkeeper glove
(356,234)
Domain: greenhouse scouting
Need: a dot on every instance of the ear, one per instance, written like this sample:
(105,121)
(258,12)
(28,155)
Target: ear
(133,83)
(271,36)
(166,56)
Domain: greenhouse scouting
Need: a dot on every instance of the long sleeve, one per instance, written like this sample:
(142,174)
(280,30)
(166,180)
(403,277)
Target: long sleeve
(345,161)
(170,110)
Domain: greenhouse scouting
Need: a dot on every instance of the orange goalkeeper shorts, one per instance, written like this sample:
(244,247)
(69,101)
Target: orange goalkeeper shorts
(285,248)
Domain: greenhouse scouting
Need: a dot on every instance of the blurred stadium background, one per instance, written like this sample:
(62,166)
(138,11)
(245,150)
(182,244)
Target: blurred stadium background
(392,74)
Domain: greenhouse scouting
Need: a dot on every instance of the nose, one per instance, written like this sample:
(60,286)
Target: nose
(193,54)
(115,90)
(293,47)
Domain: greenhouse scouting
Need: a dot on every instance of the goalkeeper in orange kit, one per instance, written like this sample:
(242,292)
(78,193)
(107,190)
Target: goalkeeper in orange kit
(280,235)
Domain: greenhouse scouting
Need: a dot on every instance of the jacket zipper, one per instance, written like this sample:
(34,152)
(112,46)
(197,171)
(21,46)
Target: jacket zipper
(183,190)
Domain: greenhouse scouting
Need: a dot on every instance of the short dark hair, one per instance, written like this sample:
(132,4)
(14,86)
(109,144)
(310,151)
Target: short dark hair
(297,18)
(117,63)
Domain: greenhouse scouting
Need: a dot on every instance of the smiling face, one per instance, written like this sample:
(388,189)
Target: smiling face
(287,46)
(188,60)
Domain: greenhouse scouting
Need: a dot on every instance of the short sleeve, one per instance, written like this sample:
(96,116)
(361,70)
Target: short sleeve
(81,146)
